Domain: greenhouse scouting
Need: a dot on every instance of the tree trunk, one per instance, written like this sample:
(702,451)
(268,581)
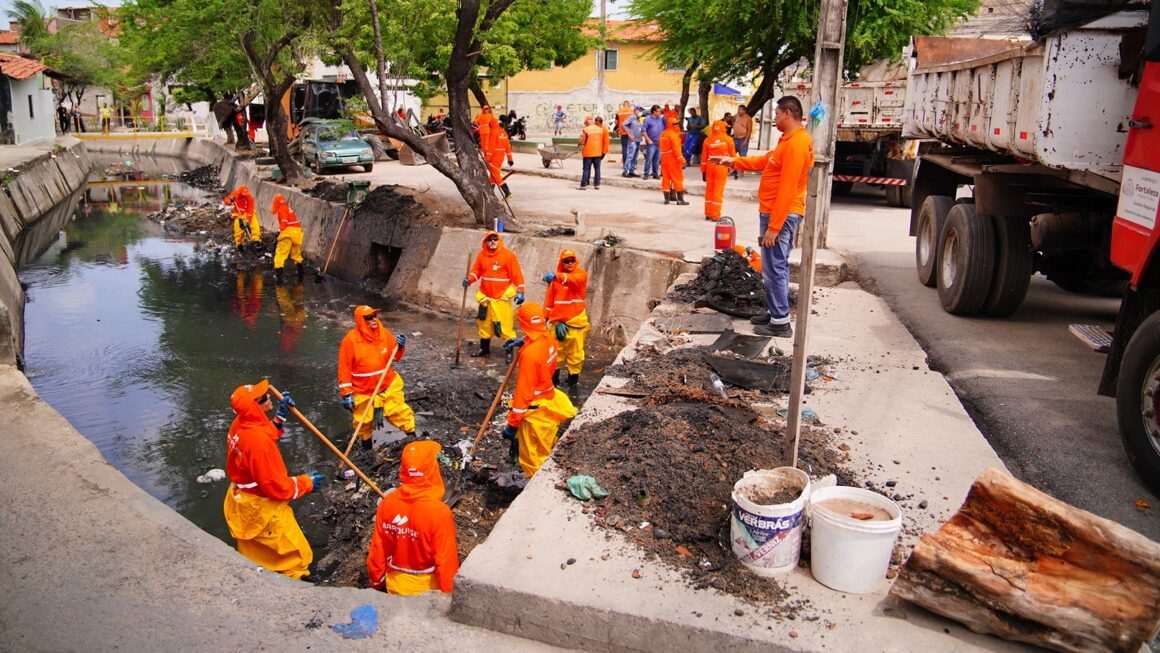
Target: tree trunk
(477,90)
(1020,564)
(704,87)
(764,93)
(277,129)
(380,59)
(686,81)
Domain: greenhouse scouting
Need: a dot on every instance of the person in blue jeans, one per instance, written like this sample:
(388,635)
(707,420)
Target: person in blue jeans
(694,136)
(654,125)
(634,132)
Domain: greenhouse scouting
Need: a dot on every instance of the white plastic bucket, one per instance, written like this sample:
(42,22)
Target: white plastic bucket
(768,539)
(848,554)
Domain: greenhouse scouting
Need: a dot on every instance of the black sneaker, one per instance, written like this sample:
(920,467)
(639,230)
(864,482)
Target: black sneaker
(763,318)
(775,330)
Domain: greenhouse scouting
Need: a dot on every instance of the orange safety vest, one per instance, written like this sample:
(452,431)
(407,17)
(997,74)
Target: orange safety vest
(286,216)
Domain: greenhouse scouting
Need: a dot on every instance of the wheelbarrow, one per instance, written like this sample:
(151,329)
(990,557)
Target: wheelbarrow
(550,154)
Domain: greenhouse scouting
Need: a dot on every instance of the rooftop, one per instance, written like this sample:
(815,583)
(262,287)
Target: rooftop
(18,67)
(625,30)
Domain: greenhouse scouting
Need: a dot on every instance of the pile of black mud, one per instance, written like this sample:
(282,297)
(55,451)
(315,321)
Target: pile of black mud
(387,202)
(328,190)
(206,178)
(210,223)
(660,375)
(725,283)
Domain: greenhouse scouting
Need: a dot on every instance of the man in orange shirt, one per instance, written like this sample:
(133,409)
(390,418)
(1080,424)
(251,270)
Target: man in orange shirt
(243,211)
(718,145)
(501,280)
(503,147)
(568,315)
(781,196)
(593,146)
(257,504)
(362,358)
(537,406)
(672,164)
(413,548)
(289,243)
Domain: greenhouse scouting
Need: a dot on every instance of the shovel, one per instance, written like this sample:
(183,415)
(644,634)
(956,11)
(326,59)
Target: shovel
(462,307)
(467,458)
(320,275)
(370,405)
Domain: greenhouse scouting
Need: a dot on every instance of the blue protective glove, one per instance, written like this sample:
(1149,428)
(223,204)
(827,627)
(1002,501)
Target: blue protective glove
(466,282)
(519,298)
(348,402)
(509,432)
(316,479)
(512,344)
(284,404)
(401,340)
(561,331)
(549,277)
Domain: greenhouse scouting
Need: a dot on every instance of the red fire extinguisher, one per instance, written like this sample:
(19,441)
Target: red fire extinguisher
(724,234)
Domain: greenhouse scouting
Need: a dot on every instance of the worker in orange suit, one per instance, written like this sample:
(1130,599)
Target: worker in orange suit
(501,280)
(565,303)
(537,406)
(593,147)
(503,148)
(672,164)
(362,359)
(243,212)
(718,144)
(670,113)
(289,243)
(413,547)
(257,504)
(247,299)
(488,128)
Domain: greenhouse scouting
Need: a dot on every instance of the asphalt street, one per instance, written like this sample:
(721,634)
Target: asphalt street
(1028,383)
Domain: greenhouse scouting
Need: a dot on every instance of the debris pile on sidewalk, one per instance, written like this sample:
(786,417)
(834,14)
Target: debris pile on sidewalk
(725,283)
(206,178)
(387,202)
(670,470)
(328,190)
(683,372)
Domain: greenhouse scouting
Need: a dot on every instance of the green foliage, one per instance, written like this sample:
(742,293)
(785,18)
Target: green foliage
(86,57)
(30,16)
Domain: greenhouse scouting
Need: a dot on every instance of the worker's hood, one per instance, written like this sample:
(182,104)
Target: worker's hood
(531,318)
(364,326)
(719,128)
(485,249)
(279,204)
(566,253)
(419,477)
(673,122)
(244,400)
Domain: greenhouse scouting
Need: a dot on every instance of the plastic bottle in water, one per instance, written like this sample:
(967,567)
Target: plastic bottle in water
(718,385)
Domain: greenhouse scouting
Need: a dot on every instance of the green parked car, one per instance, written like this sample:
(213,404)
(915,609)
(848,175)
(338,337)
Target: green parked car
(330,144)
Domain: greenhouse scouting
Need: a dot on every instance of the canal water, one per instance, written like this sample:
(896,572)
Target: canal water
(138,338)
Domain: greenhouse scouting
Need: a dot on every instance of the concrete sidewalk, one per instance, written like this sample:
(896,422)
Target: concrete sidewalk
(902,423)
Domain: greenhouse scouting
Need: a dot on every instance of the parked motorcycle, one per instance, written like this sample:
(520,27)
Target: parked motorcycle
(518,129)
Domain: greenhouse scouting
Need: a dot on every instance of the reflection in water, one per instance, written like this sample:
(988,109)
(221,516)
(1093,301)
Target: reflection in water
(292,310)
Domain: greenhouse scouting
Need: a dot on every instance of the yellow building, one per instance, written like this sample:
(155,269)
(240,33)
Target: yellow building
(598,82)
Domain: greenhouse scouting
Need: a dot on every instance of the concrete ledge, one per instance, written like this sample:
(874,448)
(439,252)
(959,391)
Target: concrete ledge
(891,408)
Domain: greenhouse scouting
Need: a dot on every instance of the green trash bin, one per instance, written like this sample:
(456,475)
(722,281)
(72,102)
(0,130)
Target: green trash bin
(356,192)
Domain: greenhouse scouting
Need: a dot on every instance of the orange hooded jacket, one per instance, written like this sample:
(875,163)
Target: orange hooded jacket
(566,294)
(286,216)
(241,200)
(253,461)
(496,270)
(414,530)
(537,363)
(488,127)
(718,144)
(785,171)
(363,354)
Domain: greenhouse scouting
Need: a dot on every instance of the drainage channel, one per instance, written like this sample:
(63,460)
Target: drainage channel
(138,337)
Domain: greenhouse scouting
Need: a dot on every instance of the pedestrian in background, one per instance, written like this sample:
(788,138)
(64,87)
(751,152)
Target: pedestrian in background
(694,135)
(593,146)
(781,199)
(654,126)
(62,116)
(106,118)
(742,129)
(622,115)
(558,120)
(635,131)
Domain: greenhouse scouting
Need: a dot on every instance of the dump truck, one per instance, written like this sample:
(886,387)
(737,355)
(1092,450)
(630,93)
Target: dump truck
(1028,175)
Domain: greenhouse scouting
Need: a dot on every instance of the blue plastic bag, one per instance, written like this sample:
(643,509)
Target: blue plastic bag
(364,621)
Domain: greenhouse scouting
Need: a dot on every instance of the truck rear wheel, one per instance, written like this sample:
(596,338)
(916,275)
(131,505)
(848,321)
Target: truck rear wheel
(966,260)
(1138,401)
(1013,266)
(931,218)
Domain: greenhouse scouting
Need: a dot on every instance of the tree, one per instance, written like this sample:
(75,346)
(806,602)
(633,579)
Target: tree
(30,16)
(447,44)
(758,39)
(83,56)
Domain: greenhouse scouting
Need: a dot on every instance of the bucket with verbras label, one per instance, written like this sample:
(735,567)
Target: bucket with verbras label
(767,537)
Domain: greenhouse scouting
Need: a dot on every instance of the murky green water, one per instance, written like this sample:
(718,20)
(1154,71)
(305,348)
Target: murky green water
(138,338)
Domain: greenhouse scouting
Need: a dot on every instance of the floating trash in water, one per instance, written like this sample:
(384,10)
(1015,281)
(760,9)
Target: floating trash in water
(364,621)
(212,475)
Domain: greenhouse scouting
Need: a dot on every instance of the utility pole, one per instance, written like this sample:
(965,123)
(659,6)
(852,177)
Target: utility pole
(600,58)
(827,81)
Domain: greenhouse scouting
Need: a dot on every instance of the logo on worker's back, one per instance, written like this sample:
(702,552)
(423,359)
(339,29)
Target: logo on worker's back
(399,520)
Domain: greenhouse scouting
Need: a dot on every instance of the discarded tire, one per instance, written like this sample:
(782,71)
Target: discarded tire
(1013,266)
(931,218)
(1137,401)
(966,260)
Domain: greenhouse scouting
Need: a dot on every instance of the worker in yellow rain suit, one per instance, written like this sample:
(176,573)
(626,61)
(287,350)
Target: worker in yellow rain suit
(289,237)
(362,360)
(567,309)
(537,406)
(244,216)
(500,281)
(257,504)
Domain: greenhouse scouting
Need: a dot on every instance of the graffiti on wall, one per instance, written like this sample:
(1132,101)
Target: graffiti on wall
(540,108)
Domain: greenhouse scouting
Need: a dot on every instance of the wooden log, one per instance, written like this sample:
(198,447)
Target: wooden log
(1017,563)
